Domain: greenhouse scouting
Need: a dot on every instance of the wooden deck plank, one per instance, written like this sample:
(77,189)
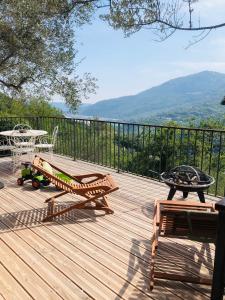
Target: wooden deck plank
(173,296)
(56,279)
(23,273)
(111,252)
(10,287)
(89,251)
(68,267)
(111,228)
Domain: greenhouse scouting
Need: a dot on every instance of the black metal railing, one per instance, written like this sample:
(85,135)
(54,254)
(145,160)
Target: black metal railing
(145,150)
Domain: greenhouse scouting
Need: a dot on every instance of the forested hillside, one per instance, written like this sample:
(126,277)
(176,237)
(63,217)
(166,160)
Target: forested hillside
(34,107)
(194,96)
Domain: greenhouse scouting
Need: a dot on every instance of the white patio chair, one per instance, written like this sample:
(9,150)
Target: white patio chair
(47,143)
(23,127)
(21,142)
(21,145)
(5,144)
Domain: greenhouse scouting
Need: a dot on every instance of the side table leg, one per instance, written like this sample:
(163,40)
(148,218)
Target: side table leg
(219,262)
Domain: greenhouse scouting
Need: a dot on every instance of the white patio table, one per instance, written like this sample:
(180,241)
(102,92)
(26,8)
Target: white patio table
(17,133)
(28,133)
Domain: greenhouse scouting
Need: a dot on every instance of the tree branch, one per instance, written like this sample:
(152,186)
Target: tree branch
(176,27)
(6,58)
(158,19)
(18,86)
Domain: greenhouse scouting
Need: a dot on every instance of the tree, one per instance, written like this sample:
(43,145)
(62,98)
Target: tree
(164,17)
(38,51)
(37,54)
(38,107)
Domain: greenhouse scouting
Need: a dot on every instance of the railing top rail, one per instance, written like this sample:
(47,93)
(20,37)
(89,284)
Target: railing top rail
(126,123)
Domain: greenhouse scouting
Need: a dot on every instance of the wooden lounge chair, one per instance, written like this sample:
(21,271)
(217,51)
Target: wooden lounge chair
(182,219)
(93,187)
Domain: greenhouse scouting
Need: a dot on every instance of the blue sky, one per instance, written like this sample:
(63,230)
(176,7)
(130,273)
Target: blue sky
(126,66)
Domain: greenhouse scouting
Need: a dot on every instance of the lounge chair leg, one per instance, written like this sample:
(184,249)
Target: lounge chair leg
(50,210)
(152,269)
(152,266)
(104,201)
(56,196)
(104,205)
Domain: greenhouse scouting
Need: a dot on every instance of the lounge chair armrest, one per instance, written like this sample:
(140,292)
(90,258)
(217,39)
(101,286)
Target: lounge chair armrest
(91,175)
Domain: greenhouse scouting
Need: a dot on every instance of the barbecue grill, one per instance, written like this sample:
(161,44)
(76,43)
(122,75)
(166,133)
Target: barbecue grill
(187,179)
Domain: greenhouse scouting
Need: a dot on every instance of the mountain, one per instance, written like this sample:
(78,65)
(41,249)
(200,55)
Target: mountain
(191,94)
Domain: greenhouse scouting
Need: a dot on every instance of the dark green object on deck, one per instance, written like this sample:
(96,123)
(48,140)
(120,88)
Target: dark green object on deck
(37,179)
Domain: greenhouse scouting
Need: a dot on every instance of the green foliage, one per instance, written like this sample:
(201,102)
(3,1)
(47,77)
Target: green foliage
(212,123)
(27,108)
(37,55)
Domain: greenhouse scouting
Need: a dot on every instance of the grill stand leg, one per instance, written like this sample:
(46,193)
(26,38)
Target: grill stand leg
(171,193)
(185,194)
(201,196)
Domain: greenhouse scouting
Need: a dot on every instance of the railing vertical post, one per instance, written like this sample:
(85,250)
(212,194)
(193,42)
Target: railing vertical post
(219,262)
(118,154)
(74,140)
(37,122)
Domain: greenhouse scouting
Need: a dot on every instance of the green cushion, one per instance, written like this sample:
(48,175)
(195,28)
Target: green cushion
(64,177)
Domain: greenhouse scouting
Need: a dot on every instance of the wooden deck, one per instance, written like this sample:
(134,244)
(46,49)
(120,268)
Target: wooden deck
(87,254)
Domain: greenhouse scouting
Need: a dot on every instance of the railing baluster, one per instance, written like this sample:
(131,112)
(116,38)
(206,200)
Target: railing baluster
(174,143)
(161,152)
(123,146)
(132,145)
(106,144)
(188,147)
(94,141)
(218,163)
(167,148)
(110,138)
(203,146)
(118,154)
(74,140)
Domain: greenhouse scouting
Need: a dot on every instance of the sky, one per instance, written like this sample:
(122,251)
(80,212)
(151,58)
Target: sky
(127,66)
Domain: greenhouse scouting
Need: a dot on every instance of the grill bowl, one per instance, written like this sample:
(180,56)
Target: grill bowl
(187,178)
